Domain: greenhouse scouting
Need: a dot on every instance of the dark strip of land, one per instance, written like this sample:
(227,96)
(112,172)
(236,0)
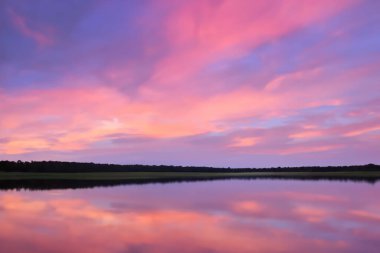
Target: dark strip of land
(60,175)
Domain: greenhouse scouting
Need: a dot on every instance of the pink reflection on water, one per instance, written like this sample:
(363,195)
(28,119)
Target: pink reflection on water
(223,216)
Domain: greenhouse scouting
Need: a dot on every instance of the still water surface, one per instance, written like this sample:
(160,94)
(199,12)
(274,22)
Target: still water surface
(217,216)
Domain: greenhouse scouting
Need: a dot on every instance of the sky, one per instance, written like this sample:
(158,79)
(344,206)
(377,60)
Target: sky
(230,83)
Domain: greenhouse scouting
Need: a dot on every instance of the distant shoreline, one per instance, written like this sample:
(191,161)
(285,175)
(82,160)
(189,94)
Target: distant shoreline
(77,167)
(63,175)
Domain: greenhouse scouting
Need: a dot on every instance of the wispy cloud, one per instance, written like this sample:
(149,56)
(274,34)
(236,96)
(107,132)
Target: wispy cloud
(41,35)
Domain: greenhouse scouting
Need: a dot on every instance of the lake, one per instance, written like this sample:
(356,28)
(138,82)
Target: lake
(208,216)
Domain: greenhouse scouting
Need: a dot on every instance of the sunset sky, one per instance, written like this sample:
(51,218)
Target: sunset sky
(205,82)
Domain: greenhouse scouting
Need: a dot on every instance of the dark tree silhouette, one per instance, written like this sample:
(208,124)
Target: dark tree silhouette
(73,167)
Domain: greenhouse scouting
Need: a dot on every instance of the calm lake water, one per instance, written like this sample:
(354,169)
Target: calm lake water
(216,216)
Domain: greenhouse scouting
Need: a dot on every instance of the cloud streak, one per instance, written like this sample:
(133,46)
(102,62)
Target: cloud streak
(24,27)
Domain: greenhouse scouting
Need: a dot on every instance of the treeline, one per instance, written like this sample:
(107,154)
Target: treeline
(74,167)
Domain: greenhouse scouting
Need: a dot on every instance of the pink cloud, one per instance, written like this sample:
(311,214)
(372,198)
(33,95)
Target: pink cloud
(366,215)
(202,33)
(179,88)
(42,36)
(68,118)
